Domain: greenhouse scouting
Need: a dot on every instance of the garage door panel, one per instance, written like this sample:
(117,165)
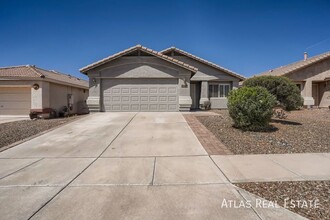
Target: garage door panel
(172,98)
(135,107)
(14,105)
(115,98)
(134,91)
(14,97)
(172,107)
(144,107)
(144,91)
(15,101)
(172,90)
(153,90)
(134,98)
(142,94)
(125,98)
(153,99)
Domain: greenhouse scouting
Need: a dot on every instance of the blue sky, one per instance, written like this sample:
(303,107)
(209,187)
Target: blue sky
(245,36)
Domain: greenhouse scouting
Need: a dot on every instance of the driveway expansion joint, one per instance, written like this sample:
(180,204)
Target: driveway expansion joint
(274,161)
(22,168)
(61,190)
(153,172)
(254,210)
(220,169)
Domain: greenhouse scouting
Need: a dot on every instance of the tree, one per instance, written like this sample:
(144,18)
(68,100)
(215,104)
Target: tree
(286,92)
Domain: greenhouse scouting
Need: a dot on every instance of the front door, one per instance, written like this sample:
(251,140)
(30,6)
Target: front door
(195,94)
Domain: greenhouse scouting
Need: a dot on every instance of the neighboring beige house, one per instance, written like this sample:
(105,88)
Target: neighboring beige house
(25,89)
(141,79)
(312,76)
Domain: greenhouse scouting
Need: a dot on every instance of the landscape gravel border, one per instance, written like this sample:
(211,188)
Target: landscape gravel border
(72,119)
(298,191)
(304,131)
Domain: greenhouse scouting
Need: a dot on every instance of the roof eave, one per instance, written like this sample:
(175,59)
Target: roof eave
(203,61)
(181,64)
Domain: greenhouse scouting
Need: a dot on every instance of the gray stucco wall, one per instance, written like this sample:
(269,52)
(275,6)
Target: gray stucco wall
(208,74)
(138,67)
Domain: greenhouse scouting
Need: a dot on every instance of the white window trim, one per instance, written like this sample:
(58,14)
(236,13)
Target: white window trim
(218,84)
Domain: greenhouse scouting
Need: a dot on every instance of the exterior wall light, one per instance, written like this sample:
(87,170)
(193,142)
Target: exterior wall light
(36,86)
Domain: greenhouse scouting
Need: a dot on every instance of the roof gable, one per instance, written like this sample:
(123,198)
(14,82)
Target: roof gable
(184,53)
(287,69)
(137,48)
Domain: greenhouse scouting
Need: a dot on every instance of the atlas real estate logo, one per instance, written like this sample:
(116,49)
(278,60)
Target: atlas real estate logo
(262,203)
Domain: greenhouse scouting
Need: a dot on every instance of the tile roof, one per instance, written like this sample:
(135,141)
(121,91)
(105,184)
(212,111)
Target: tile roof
(203,61)
(33,72)
(141,48)
(283,70)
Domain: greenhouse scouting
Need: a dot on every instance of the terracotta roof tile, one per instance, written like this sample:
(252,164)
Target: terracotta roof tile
(28,71)
(131,49)
(203,61)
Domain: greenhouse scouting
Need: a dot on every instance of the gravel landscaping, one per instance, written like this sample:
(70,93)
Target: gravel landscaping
(12,132)
(304,131)
(297,192)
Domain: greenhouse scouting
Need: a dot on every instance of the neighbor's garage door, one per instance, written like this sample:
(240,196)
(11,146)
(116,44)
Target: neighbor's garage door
(15,101)
(140,94)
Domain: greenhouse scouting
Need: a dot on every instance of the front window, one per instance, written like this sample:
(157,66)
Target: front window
(218,90)
(213,90)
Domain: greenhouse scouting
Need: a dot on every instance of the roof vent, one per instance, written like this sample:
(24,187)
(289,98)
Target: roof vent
(305,55)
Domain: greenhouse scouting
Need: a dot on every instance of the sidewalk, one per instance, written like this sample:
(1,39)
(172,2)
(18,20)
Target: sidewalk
(274,167)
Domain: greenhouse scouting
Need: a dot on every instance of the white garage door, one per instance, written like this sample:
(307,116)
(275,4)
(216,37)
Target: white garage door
(15,101)
(140,94)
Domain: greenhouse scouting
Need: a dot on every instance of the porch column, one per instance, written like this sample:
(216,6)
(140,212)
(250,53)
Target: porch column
(308,97)
(204,92)
(185,100)
(93,100)
(325,97)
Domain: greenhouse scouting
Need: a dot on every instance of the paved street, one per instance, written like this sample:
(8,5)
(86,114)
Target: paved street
(132,166)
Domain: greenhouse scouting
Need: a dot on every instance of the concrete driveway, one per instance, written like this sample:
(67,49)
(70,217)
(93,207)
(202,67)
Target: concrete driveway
(119,166)
(11,118)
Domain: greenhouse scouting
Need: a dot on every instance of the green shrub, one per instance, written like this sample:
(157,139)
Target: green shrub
(251,108)
(286,92)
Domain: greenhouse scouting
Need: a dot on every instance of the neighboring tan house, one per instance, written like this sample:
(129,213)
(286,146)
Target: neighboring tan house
(312,76)
(25,89)
(141,79)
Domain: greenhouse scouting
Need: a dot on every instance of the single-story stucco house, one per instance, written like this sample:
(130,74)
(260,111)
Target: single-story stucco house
(141,79)
(26,89)
(312,76)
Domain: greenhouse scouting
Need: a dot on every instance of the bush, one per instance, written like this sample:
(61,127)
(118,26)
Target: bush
(251,108)
(206,105)
(285,91)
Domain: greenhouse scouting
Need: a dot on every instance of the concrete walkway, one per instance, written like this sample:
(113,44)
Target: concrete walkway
(121,166)
(275,167)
